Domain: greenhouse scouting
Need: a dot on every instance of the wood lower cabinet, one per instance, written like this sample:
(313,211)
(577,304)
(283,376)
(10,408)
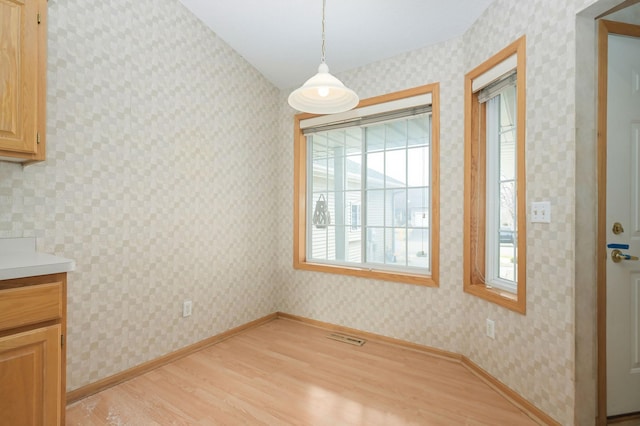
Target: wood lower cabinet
(30,377)
(23,43)
(32,352)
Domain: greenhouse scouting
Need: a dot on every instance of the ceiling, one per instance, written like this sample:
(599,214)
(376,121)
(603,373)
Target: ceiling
(283,38)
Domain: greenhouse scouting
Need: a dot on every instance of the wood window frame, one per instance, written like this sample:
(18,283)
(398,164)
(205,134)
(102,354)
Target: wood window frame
(300,198)
(475,183)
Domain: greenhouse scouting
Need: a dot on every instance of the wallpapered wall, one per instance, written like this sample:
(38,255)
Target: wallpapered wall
(428,316)
(536,352)
(169,176)
(158,182)
(533,354)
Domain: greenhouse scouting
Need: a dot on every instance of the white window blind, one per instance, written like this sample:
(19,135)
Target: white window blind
(353,116)
(495,73)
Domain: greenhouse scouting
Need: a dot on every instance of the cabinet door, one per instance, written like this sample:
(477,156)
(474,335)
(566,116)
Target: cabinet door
(22,79)
(30,376)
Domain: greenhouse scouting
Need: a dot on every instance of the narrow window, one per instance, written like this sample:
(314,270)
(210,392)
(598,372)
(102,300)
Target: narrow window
(494,227)
(366,189)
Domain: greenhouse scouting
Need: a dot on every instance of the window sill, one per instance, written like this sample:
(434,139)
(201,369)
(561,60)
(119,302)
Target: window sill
(497,296)
(373,274)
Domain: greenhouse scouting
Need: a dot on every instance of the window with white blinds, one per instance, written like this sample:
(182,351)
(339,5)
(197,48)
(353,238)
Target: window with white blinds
(494,226)
(369,192)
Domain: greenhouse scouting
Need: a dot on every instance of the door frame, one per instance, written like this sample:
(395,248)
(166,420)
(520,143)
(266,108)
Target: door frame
(604,29)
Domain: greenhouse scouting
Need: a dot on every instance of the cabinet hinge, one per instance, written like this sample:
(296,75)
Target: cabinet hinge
(39,18)
(62,340)
(38,138)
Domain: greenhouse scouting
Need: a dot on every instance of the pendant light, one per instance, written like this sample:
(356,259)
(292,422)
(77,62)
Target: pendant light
(323,93)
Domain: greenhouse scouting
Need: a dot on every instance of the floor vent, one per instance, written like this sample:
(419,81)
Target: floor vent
(347,339)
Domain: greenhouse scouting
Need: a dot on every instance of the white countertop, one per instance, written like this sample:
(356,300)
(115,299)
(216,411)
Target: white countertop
(19,258)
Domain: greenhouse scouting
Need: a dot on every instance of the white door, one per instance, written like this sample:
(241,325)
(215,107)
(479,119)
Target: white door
(623,207)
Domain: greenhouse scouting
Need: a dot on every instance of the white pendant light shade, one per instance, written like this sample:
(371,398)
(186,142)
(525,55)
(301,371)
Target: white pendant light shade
(323,94)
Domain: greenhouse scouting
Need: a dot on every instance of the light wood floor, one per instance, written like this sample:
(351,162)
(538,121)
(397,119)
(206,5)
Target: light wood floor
(288,373)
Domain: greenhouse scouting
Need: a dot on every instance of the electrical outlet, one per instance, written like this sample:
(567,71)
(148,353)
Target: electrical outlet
(491,328)
(541,212)
(187,308)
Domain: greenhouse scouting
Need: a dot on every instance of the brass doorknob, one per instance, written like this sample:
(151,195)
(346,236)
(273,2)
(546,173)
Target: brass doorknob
(617,228)
(617,256)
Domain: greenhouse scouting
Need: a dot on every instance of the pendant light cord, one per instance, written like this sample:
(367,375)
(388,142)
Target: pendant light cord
(324,4)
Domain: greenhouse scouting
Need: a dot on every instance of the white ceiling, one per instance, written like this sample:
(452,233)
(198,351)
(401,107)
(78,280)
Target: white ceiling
(283,38)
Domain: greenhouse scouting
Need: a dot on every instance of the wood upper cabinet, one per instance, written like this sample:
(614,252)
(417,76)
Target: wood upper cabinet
(32,352)
(23,43)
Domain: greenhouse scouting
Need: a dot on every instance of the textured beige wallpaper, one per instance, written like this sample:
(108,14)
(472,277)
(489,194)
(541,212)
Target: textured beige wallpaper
(532,354)
(170,177)
(158,182)
(535,354)
(419,314)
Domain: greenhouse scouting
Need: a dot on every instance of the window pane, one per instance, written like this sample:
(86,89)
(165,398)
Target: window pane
(319,243)
(353,203)
(335,142)
(353,169)
(354,241)
(508,206)
(419,131)
(418,208)
(375,138)
(418,248)
(375,245)
(331,208)
(320,175)
(337,208)
(358,206)
(501,190)
(318,145)
(507,262)
(375,208)
(396,134)
(375,170)
(396,203)
(337,164)
(418,170)
(396,168)
(331,242)
(353,141)
(342,246)
(508,155)
(397,246)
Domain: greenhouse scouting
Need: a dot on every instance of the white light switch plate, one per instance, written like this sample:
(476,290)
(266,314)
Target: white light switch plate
(541,212)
